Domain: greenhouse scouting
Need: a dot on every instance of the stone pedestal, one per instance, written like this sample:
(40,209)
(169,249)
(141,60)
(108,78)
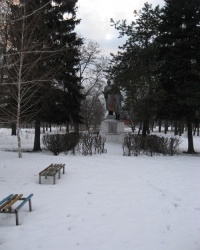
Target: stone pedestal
(112,129)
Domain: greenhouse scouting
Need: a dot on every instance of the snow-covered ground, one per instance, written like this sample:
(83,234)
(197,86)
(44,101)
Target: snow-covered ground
(103,202)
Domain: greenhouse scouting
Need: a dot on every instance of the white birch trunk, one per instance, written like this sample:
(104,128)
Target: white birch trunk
(19,110)
(18,125)
(19,142)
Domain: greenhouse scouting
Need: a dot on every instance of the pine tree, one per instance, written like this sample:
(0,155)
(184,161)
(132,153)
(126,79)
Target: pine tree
(134,66)
(179,58)
(44,55)
(61,21)
(65,98)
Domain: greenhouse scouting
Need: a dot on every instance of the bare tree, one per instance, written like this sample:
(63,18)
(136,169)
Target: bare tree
(24,62)
(92,68)
(93,108)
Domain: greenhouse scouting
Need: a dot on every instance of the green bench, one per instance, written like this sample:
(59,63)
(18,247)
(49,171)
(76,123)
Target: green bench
(7,203)
(52,170)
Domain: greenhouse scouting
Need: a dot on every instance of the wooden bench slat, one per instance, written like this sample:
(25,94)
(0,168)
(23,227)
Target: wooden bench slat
(24,201)
(12,199)
(41,173)
(12,202)
(57,168)
(5,199)
(47,170)
(54,167)
(7,202)
(52,170)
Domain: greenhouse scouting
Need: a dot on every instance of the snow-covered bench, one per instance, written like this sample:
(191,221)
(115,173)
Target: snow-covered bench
(7,203)
(52,170)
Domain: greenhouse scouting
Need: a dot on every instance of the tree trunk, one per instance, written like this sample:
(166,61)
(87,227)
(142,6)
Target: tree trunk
(180,128)
(166,126)
(50,127)
(190,139)
(152,125)
(19,142)
(67,127)
(159,125)
(140,127)
(18,128)
(175,128)
(13,128)
(76,127)
(43,128)
(196,128)
(18,139)
(145,128)
(37,136)
(87,126)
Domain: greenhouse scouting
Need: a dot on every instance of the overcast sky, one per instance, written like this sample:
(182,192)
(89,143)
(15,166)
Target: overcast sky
(95,20)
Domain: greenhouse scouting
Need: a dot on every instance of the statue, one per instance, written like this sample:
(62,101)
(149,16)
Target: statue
(118,102)
(113,99)
(109,98)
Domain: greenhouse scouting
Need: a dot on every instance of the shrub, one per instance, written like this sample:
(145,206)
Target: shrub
(70,142)
(91,144)
(58,143)
(151,144)
(54,143)
(86,144)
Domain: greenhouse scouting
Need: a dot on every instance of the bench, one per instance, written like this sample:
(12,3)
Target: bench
(7,203)
(52,170)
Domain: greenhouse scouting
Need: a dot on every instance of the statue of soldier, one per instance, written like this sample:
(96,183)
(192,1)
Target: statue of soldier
(113,99)
(109,98)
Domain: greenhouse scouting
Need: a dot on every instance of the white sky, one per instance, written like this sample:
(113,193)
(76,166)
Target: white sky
(95,19)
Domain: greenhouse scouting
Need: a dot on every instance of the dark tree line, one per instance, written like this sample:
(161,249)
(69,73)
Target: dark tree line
(179,57)
(159,65)
(39,57)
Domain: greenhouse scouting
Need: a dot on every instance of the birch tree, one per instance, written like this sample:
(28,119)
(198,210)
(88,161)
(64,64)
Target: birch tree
(41,62)
(27,73)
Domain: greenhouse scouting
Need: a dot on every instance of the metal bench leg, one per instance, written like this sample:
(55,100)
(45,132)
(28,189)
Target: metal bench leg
(17,218)
(30,205)
(59,174)
(39,179)
(63,169)
(54,179)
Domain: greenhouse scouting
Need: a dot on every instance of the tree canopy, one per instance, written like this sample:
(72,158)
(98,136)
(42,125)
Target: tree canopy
(179,62)
(42,62)
(158,66)
(135,64)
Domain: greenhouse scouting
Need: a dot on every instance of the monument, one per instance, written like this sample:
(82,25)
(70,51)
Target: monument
(112,128)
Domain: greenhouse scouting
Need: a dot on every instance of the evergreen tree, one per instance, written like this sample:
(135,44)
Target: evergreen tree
(44,58)
(179,60)
(64,101)
(61,21)
(134,66)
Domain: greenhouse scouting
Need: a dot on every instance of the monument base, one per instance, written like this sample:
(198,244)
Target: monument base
(112,130)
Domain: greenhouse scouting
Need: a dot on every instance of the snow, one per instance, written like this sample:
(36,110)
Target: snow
(102,202)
